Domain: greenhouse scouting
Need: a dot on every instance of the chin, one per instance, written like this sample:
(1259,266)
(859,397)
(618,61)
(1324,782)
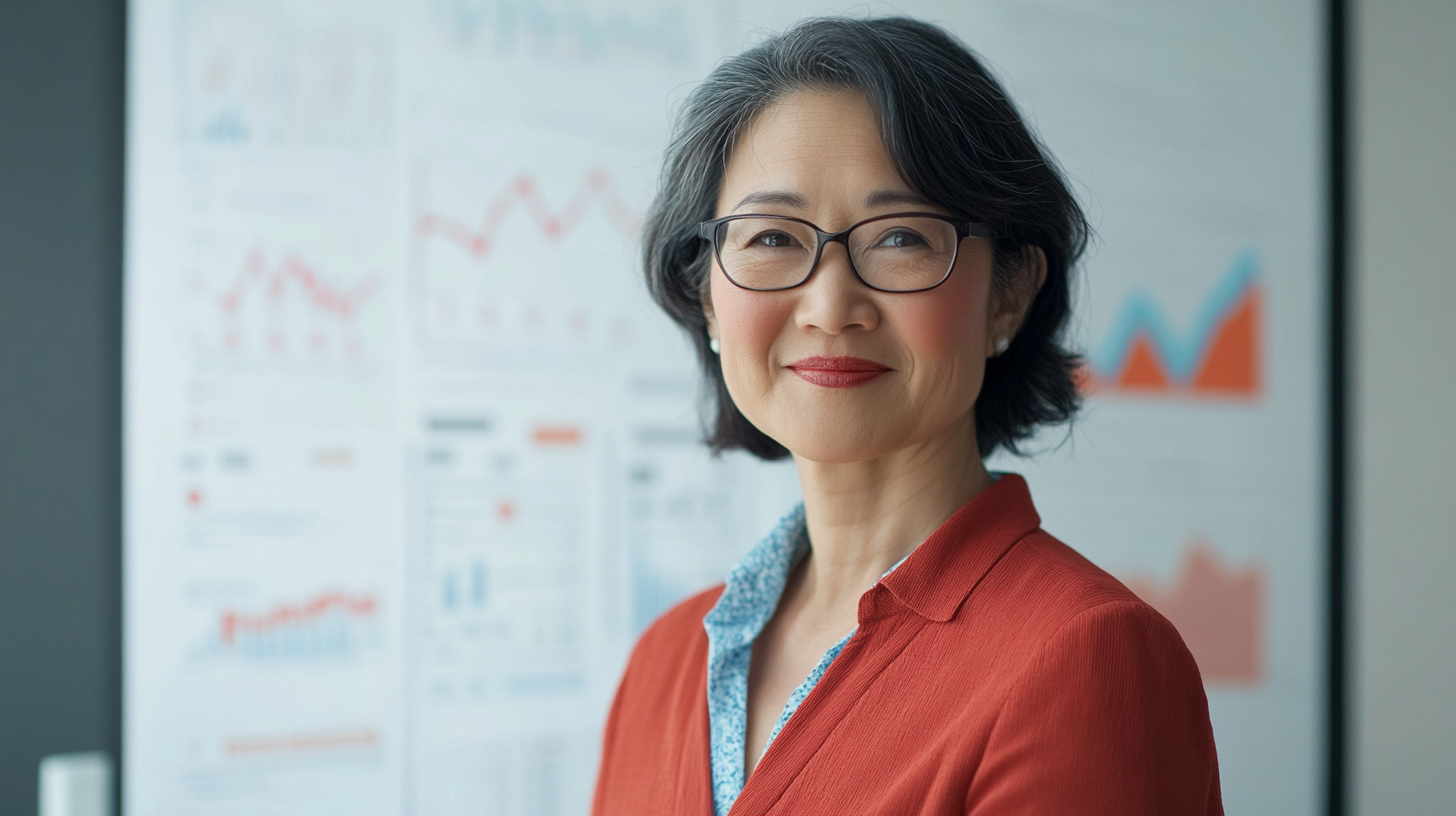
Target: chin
(833,441)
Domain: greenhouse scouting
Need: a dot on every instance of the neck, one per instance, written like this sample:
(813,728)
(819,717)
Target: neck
(863,517)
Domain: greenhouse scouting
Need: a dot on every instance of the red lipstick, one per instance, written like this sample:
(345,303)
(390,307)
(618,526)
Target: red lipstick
(837,372)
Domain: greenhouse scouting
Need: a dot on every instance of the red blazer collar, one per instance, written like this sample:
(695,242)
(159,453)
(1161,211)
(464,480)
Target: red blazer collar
(938,576)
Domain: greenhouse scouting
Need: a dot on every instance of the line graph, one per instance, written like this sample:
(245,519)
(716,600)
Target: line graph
(313,743)
(524,193)
(1220,356)
(273,310)
(332,625)
(1219,611)
(274,280)
(544,262)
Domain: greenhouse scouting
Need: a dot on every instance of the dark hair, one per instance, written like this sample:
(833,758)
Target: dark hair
(955,138)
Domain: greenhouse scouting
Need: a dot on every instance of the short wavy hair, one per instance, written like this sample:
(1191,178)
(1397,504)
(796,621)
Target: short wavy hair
(956,139)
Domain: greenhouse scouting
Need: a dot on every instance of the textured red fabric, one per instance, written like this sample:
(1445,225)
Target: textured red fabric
(995,672)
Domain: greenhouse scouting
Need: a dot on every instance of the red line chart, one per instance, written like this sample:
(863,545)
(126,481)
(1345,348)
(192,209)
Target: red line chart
(274,280)
(232,623)
(524,193)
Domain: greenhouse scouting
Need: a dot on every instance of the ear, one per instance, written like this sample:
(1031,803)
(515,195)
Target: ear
(1011,303)
(708,313)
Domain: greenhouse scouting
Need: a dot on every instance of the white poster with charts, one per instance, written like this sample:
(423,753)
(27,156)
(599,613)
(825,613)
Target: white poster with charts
(411,458)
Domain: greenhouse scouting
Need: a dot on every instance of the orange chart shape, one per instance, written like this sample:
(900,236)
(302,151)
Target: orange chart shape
(1218,610)
(1221,357)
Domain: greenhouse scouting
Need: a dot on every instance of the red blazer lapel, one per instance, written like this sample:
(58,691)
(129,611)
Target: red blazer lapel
(929,588)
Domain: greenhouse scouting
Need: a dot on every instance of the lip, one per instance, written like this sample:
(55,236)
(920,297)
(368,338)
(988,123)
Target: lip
(837,372)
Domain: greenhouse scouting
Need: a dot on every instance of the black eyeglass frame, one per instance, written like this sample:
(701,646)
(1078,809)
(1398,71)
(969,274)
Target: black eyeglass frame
(708,230)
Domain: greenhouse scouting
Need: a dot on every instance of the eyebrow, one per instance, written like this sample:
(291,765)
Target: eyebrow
(779,197)
(879,198)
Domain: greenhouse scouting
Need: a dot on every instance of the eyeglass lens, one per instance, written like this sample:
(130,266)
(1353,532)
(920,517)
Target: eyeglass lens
(898,254)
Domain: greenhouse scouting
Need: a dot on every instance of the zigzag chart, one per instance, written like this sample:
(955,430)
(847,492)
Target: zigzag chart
(274,280)
(524,193)
(281,307)
(534,267)
(1221,356)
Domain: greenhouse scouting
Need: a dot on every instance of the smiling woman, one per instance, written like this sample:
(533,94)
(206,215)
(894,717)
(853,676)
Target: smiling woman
(871,252)
(918,352)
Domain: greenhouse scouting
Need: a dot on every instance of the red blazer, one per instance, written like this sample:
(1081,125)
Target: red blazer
(995,672)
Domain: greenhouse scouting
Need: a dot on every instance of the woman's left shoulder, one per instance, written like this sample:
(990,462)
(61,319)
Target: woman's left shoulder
(1102,690)
(1073,601)
(1041,566)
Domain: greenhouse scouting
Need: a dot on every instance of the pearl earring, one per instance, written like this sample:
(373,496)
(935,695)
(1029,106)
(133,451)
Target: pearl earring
(1001,343)
(713,345)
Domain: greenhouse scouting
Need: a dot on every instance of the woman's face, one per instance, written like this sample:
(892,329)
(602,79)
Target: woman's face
(920,356)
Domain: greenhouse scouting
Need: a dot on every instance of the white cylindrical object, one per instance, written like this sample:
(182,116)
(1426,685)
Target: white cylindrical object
(76,785)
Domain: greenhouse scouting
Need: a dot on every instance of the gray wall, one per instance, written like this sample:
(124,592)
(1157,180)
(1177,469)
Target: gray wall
(61,91)
(1404,374)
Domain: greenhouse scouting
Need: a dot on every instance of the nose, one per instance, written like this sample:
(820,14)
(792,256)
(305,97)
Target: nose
(834,300)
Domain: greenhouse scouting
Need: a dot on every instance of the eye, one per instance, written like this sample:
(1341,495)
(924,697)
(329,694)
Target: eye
(901,239)
(774,239)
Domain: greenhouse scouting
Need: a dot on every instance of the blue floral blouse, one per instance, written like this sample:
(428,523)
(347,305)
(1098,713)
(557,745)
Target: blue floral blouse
(750,596)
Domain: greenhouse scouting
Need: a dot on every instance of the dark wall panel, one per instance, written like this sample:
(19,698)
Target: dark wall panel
(61,143)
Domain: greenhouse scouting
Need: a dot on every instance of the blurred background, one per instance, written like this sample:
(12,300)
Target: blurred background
(342,457)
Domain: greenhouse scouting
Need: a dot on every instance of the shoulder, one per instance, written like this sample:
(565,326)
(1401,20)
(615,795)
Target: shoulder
(1056,589)
(1122,643)
(684,619)
(669,661)
(1101,688)
(665,680)
(660,705)
(676,633)
(1042,565)
(1106,668)
(1058,613)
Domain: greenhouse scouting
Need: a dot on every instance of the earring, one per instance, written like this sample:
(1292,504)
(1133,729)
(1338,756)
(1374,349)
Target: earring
(713,345)
(1001,343)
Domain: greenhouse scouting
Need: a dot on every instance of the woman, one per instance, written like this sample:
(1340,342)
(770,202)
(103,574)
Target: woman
(871,252)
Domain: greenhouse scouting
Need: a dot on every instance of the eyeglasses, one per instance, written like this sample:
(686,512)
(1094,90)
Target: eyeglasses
(900,252)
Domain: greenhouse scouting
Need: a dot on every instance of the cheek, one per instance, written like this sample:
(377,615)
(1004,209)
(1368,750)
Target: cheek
(945,326)
(944,335)
(748,322)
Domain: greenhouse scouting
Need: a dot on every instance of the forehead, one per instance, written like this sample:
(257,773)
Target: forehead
(814,143)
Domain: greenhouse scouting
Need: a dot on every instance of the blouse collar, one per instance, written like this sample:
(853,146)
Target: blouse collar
(933,581)
(941,573)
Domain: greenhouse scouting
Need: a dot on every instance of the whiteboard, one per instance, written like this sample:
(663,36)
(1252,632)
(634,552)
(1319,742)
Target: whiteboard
(411,459)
